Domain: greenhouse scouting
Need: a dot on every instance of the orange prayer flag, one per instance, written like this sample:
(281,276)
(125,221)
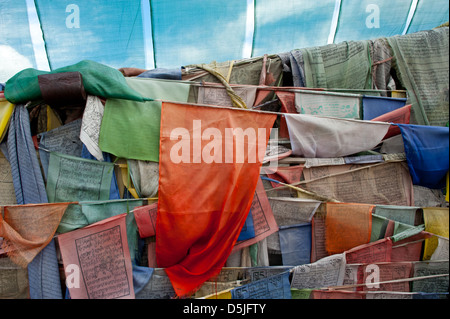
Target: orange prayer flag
(27,229)
(210,158)
(347,225)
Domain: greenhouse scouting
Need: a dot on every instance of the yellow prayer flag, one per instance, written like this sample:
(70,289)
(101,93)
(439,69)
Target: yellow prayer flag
(225,294)
(6,109)
(436,222)
(53,120)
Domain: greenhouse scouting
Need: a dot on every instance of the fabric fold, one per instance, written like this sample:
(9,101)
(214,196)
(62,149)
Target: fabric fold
(27,178)
(98,79)
(27,229)
(205,195)
(90,126)
(426,81)
(347,225)
(401,115)
(344,65)
(317,136)
(427,154)
(130,129)
(30,188)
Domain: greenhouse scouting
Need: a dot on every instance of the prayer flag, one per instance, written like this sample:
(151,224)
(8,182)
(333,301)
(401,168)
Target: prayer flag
(377,251)
(295,244)
(410,248)
(273,287)
(264,223)
(284,174)
(130,129)
(27,229)
(317,136)
(339,105)
(427,154)
(347,225)
(287,100)
(6,110)
(401,115)
(436,222)
(372,274)
(73,178)
(14,281)
(98,79)
(146,219)
(210,158)
(375,106)
(101,246)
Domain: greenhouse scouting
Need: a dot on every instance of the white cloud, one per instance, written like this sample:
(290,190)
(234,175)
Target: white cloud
(279,10)
(220,38)
(11,62)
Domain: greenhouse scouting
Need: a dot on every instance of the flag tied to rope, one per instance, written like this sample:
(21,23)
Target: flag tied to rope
(210,158)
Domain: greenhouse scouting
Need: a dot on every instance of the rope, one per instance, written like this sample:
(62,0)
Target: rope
(384,282)
(374,69)
(298,189)
(235,99)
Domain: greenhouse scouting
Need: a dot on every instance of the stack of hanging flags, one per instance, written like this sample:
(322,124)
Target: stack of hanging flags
(210,161)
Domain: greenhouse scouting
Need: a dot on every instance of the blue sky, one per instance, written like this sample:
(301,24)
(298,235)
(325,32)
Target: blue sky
(173,33)
(16,49)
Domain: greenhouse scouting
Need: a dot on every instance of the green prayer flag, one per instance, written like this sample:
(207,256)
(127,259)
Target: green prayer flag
(98,80)
(379,224)
(300,293)
(410,215)
(345,65)
(403,231)
(72,179)
(130,129)
(72,219)
(421,61)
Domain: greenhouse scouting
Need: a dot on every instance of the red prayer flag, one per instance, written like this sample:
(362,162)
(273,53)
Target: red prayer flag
(284,174)
(210,159)
(145,217)
(287,100)
(401,115)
